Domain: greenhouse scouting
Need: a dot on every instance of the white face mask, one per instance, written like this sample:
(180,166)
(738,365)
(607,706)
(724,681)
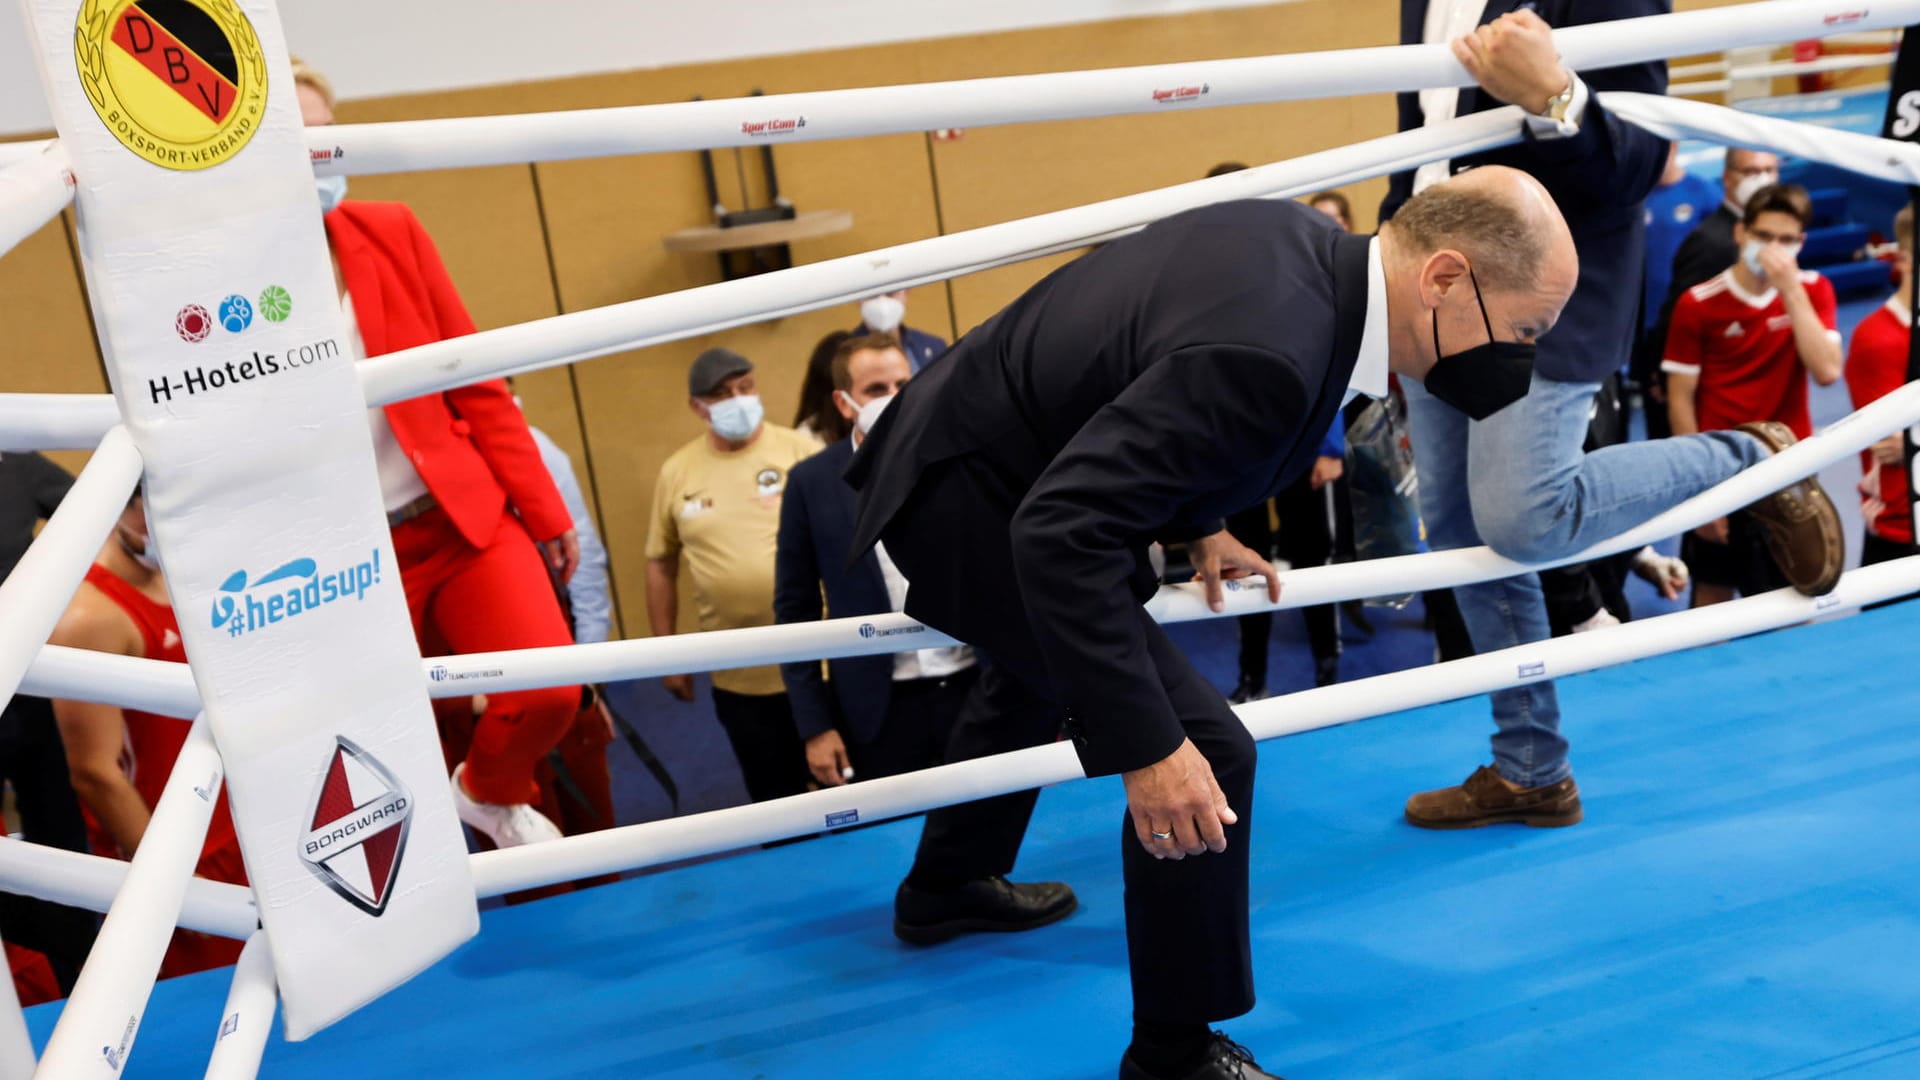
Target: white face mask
(148,555)
(1750,186)
(333,189)
(736,418)
(1750,254)
(883,313)
(869,413)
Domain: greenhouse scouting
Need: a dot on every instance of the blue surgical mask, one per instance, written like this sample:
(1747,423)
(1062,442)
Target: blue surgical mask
(333,189)
(736,418)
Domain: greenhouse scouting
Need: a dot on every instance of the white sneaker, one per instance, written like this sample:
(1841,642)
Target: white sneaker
(506,824)
(1600,621)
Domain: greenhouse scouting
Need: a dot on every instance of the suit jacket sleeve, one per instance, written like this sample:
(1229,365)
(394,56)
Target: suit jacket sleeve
(496,426)
(796,599)
(1193,423)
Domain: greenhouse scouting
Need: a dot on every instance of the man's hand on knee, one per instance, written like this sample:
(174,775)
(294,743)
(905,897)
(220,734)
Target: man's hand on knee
(1177,807)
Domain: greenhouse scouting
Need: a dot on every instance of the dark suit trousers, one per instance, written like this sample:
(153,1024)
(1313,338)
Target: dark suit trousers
(1186,920)
(920,718)
(34,761)
(1305,539)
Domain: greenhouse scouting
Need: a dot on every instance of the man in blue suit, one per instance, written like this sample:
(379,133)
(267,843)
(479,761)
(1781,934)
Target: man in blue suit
(1518,480)
(878,715)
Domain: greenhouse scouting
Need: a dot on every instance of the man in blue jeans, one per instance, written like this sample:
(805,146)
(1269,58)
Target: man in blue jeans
(1517,480)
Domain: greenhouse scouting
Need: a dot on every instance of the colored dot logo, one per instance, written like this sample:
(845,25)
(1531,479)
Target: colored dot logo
(275,304)
(193,323)
(236,314)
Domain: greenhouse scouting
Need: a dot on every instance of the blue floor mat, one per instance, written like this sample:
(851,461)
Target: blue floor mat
(1741,902)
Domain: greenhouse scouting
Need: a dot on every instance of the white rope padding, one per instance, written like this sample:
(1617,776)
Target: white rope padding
(247,1019)
(33,191)
(111,993)
(167,688)
(227,909)
(16,1043)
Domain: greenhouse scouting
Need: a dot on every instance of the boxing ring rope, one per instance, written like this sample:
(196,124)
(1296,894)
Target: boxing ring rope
(166,688)
(119,975)
(33,191)
(139,916)
(402,146)
(247,1019)
(34,421)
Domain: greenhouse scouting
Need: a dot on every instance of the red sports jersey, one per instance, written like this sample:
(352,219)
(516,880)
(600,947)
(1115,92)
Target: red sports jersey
(152,744)
(1876,367)
(1741,346)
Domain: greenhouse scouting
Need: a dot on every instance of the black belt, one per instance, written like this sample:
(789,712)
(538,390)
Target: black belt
(412,510)
(928,684)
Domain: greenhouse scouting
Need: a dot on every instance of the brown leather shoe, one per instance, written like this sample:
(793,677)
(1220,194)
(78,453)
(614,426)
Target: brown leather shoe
(1802,527)
(1487,799)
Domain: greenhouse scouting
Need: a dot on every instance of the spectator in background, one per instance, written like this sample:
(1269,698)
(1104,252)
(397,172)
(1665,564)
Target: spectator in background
(31,759)
(1333,204)
(119,759)
(877,715)
(1876,367)
(887,314)
(1706,251)
(718,502)
(1740,350)
(1680,203)
(471,509)
(816,415)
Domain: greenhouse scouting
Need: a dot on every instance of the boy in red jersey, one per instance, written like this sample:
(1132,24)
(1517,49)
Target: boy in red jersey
(1741,346)
(1876,367)
(120,759)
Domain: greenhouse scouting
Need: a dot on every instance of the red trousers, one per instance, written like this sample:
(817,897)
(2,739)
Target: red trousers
(482,600)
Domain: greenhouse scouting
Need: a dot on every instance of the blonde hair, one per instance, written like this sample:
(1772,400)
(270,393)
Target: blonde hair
(305,74)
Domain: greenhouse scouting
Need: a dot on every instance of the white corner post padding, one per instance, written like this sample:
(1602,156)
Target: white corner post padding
(360,149)
(247,1019)
(211,287)
(636,846)
(33,191)
(97,1027)
(35,595)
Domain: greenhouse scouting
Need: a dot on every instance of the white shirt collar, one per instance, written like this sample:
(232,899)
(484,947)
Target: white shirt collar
(1901,307)
(1370,369)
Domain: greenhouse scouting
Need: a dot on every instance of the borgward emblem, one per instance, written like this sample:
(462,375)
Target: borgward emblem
(361,813)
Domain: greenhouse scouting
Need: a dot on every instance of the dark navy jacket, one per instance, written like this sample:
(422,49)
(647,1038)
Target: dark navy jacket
(1598,177)
(1141,392)
(816,528)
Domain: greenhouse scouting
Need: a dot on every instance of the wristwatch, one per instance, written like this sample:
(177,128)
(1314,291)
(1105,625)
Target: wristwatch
(1557,105)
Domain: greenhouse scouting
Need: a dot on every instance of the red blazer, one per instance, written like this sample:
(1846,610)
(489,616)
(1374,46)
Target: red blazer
(470,445)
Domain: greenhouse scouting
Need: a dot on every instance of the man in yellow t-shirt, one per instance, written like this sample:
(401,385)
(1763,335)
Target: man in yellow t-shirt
(717,501)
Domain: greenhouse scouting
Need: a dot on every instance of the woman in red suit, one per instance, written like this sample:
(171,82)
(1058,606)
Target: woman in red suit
(472,508)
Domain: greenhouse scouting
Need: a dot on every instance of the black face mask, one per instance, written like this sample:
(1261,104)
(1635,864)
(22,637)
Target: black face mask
(1486,378)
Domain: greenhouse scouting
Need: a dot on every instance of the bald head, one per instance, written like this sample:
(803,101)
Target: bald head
(1494,231)
(1501,219)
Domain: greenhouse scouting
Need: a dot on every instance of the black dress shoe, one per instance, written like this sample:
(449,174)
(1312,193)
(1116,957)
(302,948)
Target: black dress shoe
(1356,613)
(1248,689)
(1226,1060)
(1326,670)
(985,904)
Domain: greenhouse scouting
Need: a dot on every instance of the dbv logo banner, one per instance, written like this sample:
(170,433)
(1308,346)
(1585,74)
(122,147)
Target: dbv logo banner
(291,589)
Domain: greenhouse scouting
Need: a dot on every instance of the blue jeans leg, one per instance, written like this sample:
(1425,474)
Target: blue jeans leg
(1519,482)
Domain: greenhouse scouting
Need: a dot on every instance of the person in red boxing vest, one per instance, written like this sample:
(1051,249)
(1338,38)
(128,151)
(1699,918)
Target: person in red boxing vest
(119,759)
(472,508)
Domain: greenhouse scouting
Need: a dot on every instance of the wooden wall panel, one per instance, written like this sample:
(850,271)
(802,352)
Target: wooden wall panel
(51,347)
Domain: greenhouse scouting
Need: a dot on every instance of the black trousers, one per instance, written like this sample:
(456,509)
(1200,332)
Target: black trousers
(1187,937)
(1879,549)
(920,718)
(765,742)
(34,762)
(1305,539)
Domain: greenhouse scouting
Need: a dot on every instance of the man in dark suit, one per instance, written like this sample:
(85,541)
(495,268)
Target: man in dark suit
(878,715)
(1138,394)
(1519,481)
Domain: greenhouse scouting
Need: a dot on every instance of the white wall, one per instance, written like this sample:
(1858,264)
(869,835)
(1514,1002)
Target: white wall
(373,48)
